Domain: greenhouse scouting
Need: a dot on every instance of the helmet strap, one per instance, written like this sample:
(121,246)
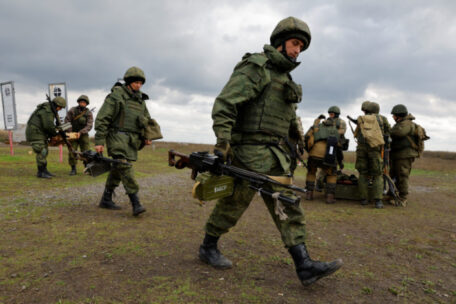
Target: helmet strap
(284,52)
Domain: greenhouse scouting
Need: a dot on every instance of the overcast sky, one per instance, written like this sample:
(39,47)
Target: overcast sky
(390,52)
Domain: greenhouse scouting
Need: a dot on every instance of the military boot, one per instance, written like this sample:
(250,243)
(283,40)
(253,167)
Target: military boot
(73,170)
(106,200)
(137,207)
(209,254)
(41,173)
(330,193)
(378,204)
(310,271)
(47,172)
(310,186)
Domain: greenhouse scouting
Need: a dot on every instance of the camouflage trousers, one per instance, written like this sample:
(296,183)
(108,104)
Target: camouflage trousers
(122,173)
(41,150)
(369,164)
(84,145)
(229,210)
(400,172)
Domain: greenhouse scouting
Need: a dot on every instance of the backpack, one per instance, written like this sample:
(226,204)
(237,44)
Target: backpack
(371,130)
(418,138)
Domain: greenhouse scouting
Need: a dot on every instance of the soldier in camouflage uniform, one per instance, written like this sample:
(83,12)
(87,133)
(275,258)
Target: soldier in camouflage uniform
(81,120)
(120,124)
(369,161)
(253,117)
(402,153)
(40,127)
(334,115)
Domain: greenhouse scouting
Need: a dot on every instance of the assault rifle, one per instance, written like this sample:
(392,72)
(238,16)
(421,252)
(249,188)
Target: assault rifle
(204,162)
(352,119)
(95,163)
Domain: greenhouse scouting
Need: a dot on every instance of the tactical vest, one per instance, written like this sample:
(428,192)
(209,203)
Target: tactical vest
(323,131)
(130,114)
(80,123)
(269,114)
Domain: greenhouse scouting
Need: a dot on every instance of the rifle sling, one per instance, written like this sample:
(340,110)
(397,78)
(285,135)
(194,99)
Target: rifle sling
(79,115)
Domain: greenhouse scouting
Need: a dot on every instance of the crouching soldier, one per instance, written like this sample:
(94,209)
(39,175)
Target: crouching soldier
(120,124)
(81,120)
(40,127)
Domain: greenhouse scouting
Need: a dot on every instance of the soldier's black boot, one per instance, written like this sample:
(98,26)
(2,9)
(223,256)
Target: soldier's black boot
(209,254)
(137,207)
(310,271)
(106,200)
(330,193)
(73,170)
(379,204)
(47,172)
(42,173)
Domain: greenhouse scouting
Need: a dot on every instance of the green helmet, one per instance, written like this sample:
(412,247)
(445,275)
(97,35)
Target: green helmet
(365,105)
(83,98)
(375,108)
(134,74)
(399,109)
(288,28)
(334,109)
(59,101)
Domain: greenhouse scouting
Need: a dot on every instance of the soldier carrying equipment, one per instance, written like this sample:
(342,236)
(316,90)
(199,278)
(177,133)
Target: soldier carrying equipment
(201,162)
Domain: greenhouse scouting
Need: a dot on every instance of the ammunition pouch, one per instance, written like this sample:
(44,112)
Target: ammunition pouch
(331,152)
(210,187)
(292,91)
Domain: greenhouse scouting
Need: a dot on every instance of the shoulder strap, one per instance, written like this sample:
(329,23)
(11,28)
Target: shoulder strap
(80,115)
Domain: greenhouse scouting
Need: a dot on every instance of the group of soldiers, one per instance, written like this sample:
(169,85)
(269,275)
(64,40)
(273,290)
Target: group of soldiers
(371,162)
(257,129)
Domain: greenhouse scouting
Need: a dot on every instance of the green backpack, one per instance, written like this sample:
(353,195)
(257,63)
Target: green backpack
(418,138)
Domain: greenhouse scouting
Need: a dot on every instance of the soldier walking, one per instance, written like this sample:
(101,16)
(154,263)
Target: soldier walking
(40,127)
(81,119)
(120,124)
(403,152)
(253,117)
(369,161)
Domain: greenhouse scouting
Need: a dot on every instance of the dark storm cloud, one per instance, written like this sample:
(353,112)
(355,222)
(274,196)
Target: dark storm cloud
(403,50)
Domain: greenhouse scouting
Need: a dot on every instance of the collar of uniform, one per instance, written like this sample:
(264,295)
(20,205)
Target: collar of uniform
(278,60)
(130,92)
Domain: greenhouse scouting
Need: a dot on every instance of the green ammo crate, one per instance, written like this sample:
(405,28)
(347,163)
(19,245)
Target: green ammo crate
(210,187)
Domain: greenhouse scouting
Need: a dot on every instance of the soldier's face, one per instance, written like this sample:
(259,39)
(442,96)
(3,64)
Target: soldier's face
(136,85)
(332,115)
(293,47)
(82,104)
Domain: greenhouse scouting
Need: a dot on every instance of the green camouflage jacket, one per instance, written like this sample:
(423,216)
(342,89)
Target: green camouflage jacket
(247,83)
(121,121)
(40,125)
(400,145)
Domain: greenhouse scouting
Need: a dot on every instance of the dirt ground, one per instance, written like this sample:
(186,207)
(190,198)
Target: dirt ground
(56,246)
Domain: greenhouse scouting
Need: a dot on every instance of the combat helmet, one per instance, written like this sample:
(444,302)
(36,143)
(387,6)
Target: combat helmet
(288,28)
(334,109)
(365,105)
(375,108)
(83,98)
(134,74)
(59,101)
(399,110)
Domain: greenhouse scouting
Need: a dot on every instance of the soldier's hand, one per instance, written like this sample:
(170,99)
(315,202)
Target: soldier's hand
(147,142)
(99,149)
(223,150)
(78,135)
